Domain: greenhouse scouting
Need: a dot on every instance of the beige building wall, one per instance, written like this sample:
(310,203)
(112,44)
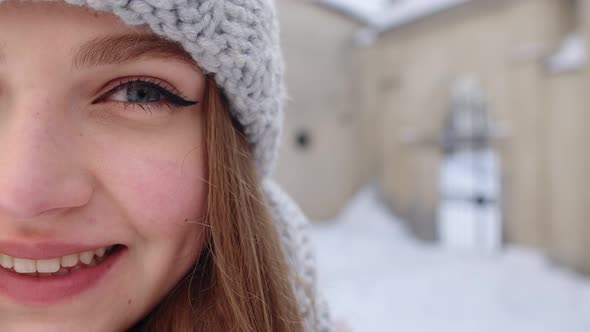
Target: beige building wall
(569,240)
(570,161)
(322,107)
(423,59)
(505,45)
(584,25)
(526,152)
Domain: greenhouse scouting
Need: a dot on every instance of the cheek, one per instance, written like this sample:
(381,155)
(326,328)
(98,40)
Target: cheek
(168,191)
(156,193)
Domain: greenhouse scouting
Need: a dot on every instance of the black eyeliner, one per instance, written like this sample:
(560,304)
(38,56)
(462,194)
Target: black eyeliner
(175,99)
(172,97)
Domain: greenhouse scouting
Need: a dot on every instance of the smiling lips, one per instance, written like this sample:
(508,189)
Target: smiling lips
(57,274)
(54,266)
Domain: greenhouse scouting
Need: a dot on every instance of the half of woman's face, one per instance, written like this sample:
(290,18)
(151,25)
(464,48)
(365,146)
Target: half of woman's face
(102,146)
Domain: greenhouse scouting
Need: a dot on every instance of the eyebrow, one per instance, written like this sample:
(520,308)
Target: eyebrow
(113,50)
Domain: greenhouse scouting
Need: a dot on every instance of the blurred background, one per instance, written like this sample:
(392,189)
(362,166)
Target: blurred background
(440,149)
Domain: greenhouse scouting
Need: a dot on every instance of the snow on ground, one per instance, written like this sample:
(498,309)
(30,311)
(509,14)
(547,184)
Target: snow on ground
(377,278)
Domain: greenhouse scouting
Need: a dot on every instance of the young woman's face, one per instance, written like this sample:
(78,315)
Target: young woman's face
(102,147)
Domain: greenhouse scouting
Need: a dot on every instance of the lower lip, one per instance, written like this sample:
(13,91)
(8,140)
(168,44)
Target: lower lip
(31,290)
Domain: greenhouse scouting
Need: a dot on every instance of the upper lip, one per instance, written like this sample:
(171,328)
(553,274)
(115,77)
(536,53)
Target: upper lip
(45,250)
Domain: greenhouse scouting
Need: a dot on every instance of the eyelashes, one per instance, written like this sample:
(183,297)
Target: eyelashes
(149,94)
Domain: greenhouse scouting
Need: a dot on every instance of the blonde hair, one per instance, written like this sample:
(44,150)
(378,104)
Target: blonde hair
(241,281)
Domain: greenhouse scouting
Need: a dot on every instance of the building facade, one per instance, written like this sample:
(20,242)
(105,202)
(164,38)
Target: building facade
(529,57)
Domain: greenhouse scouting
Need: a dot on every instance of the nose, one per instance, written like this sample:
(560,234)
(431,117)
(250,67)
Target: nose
(38,167)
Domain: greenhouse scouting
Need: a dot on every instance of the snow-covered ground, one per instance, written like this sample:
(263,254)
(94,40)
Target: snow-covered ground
(377,278)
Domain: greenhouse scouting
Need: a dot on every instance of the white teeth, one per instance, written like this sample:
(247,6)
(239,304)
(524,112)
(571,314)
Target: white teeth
(58,265)
(100,252)
(86,257)
(7,262)
(48,265)
(69,261)
(25,265)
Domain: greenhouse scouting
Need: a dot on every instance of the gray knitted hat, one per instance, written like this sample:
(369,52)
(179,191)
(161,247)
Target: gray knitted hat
(237,40)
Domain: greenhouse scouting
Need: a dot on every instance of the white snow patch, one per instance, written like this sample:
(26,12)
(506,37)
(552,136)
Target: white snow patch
(377,278)
(363,9)
(571,55)
(403,12)
(387,14)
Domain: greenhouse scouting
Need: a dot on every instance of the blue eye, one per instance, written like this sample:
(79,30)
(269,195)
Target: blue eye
(145,93)
(142,94)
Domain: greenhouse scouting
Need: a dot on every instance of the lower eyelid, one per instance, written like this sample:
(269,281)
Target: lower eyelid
(116,111)
(148,107)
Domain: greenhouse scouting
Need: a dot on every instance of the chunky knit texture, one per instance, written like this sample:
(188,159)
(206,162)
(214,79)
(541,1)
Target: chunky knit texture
(237,40)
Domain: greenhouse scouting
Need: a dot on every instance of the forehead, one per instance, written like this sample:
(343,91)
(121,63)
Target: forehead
(38,12)
(91,37)
(55,24)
